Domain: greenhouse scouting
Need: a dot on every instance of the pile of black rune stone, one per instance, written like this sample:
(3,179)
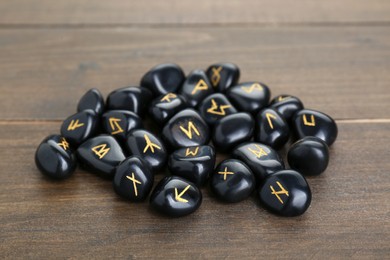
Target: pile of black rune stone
(194,116)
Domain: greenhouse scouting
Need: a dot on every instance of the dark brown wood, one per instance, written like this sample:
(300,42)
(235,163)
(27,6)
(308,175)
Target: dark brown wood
(343,71)
(83,218)
(101,12)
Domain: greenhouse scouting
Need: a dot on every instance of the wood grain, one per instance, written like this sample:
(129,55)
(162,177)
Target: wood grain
(83,218)
(100,12)
(342,71)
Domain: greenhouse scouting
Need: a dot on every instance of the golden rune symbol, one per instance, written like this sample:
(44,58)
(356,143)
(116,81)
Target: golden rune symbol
(191,127)
(214,108)
(193,153)
(101,150)
(168,97)
(253,87)
(74,124)
(135,182)
(258,152)
(277,193)
(225,173)
(216,77)
(200,86)
(280,98)
(269,116)
(312,121)
(115,126)
(178,196)
(64,144)
(149,144)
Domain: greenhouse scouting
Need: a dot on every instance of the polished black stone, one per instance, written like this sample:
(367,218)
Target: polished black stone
(92,99)
(223,75)
(196,87)
(185,129)
(100,155)
(261,159)
(193,163)
(309,156)
(286,105)
(54,157)
(232,181)
(133,179)
(215,107)
(144,144)
(285,193)
(314,123)
(134,99)
(163,78)
(249,97)
(164,107)
(79,127)
(271,128)
(233,130)
(119,123)
(175,197)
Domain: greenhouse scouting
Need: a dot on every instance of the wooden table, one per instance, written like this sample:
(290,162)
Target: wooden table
(334,55)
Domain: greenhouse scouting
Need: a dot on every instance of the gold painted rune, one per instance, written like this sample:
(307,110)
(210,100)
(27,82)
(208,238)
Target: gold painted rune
(192,153)
(281,98)
(135,182)
(254,86)
(150,145)
(188,132)
(202,85)
(225,173)
(258,152)
(214,108)
(178,196)
(216,77)
(74,124)
(64,144)
(168,97)
(312,121)
(100,150)
(269,116)
(277,193)
(115,126)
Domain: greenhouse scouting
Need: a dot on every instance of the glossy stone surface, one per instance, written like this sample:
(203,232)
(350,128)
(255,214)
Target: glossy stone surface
(193,163)
(185,129)
(314,123)
(93,100)
(196,87)
(144,144)
(79,127)
(119,123)
(54,157)
(285,193)
(100,155)
(215,107)
(166,106)
(163,78)
(249,97)
(286,105)
(232,181)
(223,75)
(233,130)
(134,99)
(261,159)
(309,156)
(175,197)
(271,129)
(133,179)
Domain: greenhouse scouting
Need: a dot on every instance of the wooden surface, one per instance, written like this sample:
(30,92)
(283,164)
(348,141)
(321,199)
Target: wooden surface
(334,55)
